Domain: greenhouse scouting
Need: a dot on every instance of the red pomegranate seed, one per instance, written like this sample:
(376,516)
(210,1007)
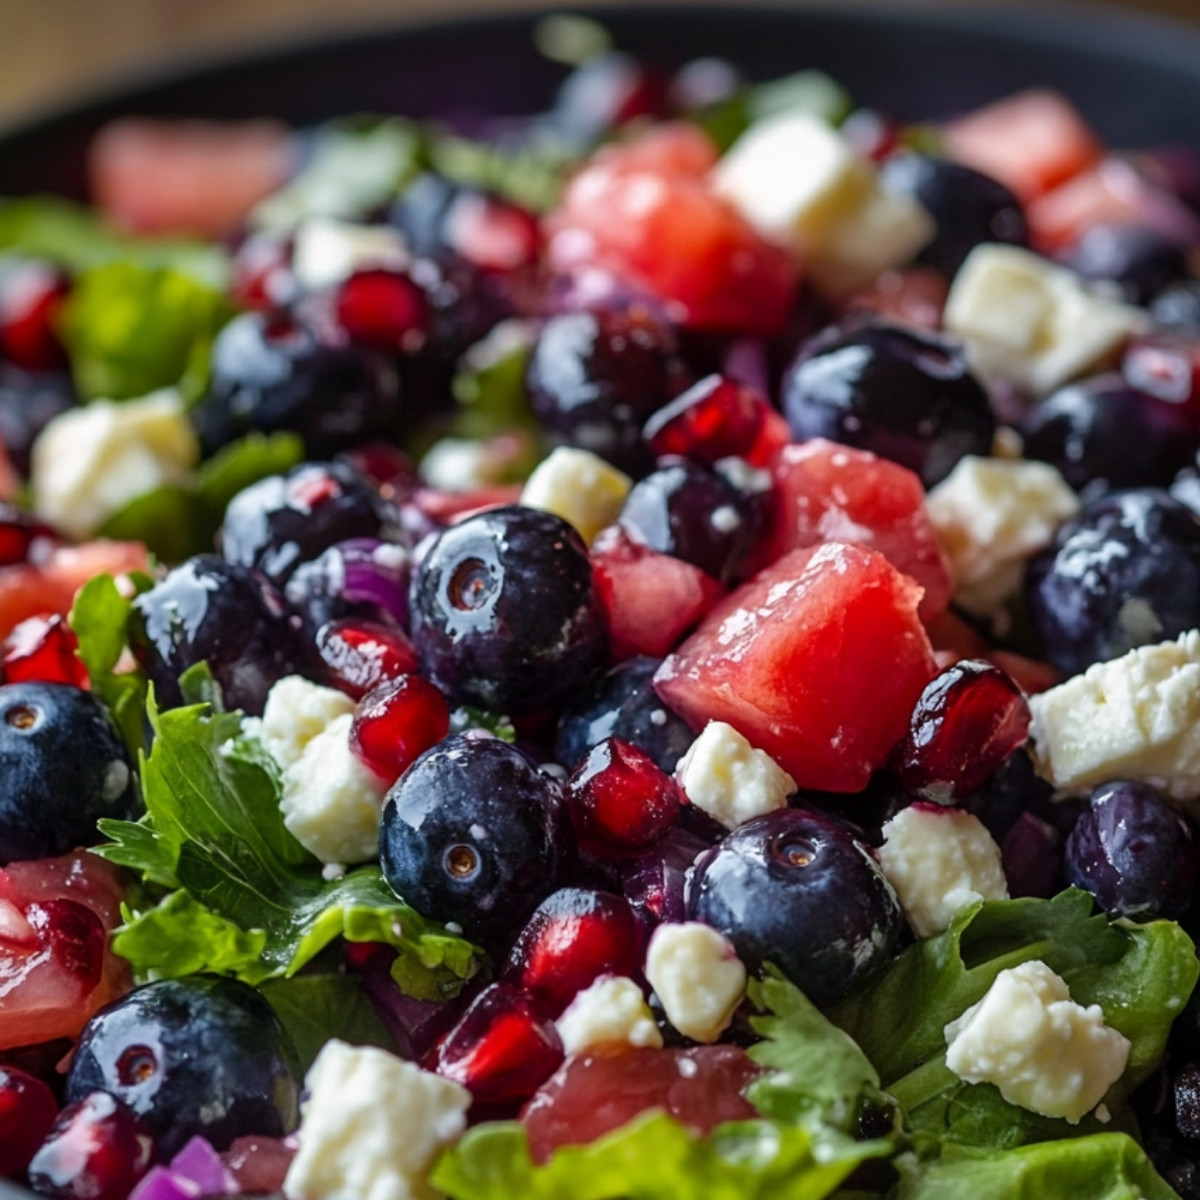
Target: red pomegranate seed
(97,1150)
(76,935)
(31,296)
(1167,368)
(491,233)
(575,936)
(384,309)
(23,539)
(43,650)
(27,1112)
(620,801)
(503,1048)
(262,272)
(360,655)
(396,722)
(384,466)
(969,719)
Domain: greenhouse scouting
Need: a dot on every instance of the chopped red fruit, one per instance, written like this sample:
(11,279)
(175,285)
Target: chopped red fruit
(23,538)
(396,722)
(43,650)
(445,508)
(620,800)
(915,296)
(575,936)
(361,655)
(651,599)
(262,272)
(593,1094)
(258,1164)
(384,465)
(27,1111)
(504,1048)
(31,296)
(818,660)
(490,233)
(383,309)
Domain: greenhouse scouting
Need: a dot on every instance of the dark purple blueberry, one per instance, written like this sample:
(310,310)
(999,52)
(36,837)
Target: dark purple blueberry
(594,378)
(29,401)
(656,883)
(1186,1088)
(968,207)
(1015,787)
(1134,853)
(208,610)
(273,373)
(1032,856)
(198,1055)
(471,833)
(362,578)
(1140,263)
(1124,572)
(898,392)
(1101,430)
(1185,488)
(420,214)
(1178,307)
(622,703)
(284,520)
(796,890)
(505,612)
(62,767)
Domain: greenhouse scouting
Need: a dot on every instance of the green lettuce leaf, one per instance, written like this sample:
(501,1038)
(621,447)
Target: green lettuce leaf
(530,171)
(808,91)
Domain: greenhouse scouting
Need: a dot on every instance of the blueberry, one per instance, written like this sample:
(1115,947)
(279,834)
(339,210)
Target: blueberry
(198,1055)
(505,612)
(1101,430)
(1124,572)
(62,767)
(421,212)
(284,520)
(470,833)
(1140,263)
(29,401)
(1014,788)
(901,393)
(273,373)
(968,207)
(208,610)
(622,703)
(797,890)
(1178,307)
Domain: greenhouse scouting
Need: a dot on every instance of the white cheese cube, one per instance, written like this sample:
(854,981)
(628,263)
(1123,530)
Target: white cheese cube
(939,860)
(723,774)
(1135,717)
(611,1012)
(698,978)
(327,251)
(372,1127)
(295,712)
(580,487)
(1042,1050)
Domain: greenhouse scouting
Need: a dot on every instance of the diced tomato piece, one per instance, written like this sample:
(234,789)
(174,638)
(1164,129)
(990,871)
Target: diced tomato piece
(1032,141)
(818,660)
(827,492)
(651,599)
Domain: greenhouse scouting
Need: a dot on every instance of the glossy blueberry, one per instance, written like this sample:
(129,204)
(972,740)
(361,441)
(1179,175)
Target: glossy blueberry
(1101,430)
(968,207)
(898,392)
(1125,572)
(273,373)
(284,520)
(420,213)
(62,767)
(1140,263)
(622,703)
(471,833)
(1178,307)
(505,612)
(1014,788)
(1134,853)
(797,890)
(362,578)
(197,1055)
(29,401)
(208,610)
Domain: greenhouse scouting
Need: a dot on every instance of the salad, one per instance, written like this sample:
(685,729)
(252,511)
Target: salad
(650,650)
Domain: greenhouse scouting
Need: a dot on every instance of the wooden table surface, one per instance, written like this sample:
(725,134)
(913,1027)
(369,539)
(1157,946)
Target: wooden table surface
(56,50)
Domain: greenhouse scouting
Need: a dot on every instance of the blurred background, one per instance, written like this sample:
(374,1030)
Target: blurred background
(53,51)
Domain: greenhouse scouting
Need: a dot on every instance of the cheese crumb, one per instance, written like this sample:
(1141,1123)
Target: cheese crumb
(580,487)
(295,712)
(697,977)
(726,777)
(612,1011)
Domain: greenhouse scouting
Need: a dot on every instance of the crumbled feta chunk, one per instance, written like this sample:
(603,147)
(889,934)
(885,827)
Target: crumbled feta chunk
(330,801)
(295,712)
(327,251)
(1135,717)
(372,1127)
(580,487)
(698,978)
(939,860)
(612,1011)
(723,774)
(1042,1050)
(991,515)
(1029,321)
(89,462)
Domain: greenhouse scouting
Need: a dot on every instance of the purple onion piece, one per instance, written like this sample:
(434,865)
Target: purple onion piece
(655,882)
(377,573)
(746,361)
(200,1163)
(161,1183)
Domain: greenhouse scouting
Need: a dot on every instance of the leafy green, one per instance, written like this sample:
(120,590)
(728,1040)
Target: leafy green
(490,384)
(467,718)
(530,171)
(809,91)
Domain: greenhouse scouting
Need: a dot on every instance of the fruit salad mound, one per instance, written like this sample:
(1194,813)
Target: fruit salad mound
(649,651)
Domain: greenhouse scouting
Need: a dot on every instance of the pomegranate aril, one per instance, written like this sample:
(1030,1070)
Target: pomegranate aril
(262,272)
(620,801)
(504,1048)
(390,469)
(31,295)
(1167,368)
(968,720)
(27,1112)
(575,936)
(654,883)
(383,309)
(23,539)
(76,935)
(491,233)
(361,655)
(97,1150)
(396,722)
(43,650)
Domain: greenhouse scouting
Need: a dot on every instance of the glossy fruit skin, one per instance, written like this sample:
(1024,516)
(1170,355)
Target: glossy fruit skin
(197,1055)
(43,650)
(62,766)
(360,579)
(208,610)
(1137,547)
(898,392)
(1178,307)
(396,722)
(1134,853)
(359,656)
(796,890)
(1139,262)
(29,401)
(469,833)
(505,612)
(27,1111)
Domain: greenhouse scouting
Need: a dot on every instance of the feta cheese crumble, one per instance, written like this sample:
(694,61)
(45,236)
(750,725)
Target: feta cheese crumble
(327,251)
(580,487)
(612,1011)
(697,977)
(295,712)
(1042,1050)
(726,777)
